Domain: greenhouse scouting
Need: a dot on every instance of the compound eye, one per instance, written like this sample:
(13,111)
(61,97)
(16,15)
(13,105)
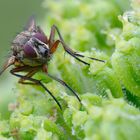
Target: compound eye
(29,51)
(41,37)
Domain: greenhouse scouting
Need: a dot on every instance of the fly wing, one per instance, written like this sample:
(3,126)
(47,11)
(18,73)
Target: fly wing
(31,25)
(8,63)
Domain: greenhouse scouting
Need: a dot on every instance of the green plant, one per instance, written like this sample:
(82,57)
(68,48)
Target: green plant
(109,91)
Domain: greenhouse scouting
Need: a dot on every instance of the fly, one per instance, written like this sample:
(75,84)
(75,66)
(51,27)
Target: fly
(30,52)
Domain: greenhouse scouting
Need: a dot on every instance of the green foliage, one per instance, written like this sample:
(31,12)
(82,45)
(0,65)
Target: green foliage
(125,59)
(109,92)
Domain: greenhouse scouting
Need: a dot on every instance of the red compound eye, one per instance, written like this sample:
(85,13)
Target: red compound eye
(41,37)
(29,51)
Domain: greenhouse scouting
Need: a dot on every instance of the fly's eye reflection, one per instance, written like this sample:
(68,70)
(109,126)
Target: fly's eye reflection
(34,54)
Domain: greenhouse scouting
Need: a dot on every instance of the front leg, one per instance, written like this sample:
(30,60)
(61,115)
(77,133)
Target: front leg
(8,63)
(54,44)
(37,82)
(31,71)
(29,74)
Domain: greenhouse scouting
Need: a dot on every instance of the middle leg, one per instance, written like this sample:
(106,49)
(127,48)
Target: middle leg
(61,82)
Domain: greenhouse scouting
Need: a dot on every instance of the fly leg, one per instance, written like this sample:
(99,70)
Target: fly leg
(29,74)
(54,45)
(65,85)
(62,83)
(37,82)
(7,64)
(31,71)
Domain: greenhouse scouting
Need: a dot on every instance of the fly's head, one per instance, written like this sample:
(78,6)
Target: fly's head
(31,47)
